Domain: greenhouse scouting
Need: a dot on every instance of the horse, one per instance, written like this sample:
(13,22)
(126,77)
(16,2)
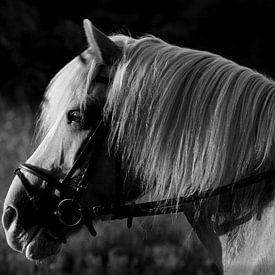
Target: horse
(129,117)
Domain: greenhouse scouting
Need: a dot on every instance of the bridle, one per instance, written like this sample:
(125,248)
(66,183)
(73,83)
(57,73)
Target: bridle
(68,212)
(60,213)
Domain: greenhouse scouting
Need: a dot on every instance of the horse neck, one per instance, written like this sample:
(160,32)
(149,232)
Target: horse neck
(249,249)
(246,246)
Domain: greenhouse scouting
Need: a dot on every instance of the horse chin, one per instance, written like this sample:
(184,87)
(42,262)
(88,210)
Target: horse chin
(41,246)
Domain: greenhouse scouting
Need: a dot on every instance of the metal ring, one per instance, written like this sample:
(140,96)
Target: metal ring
(69,212)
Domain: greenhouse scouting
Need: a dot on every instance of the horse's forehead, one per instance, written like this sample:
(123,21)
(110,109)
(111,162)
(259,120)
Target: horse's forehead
(73,76)
(67,87)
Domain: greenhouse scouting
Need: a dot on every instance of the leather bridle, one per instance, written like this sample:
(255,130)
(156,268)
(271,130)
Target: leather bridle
(56,213)
(69,212)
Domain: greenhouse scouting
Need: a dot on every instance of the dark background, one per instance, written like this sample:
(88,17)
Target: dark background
(37,38)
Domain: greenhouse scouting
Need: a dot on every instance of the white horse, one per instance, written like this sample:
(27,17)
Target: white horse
(181,121)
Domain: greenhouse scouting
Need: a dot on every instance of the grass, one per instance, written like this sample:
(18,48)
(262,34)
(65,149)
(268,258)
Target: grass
(161,245)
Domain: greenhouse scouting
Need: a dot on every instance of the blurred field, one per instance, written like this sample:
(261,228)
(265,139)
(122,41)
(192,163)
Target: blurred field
(160,245)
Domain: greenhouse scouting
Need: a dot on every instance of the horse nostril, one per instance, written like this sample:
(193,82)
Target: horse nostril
(9,216)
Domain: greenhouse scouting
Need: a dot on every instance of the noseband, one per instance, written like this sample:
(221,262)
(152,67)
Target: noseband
(68,212)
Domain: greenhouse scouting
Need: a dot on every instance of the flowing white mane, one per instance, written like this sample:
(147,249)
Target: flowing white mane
(184,120)
(187,120)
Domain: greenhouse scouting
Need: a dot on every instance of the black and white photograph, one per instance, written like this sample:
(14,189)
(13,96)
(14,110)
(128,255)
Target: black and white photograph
(137,138)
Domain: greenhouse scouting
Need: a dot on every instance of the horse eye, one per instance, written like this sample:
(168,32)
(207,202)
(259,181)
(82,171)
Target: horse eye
(74,116)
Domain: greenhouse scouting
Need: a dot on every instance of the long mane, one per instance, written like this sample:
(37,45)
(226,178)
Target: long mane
(186,120)
(183,120)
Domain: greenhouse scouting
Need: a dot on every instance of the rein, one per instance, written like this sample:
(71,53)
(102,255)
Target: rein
(169,206)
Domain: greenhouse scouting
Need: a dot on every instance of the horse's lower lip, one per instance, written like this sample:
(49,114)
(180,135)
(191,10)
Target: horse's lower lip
(33,250)
(31,239)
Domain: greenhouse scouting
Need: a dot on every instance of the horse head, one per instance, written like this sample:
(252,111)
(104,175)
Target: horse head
(71,117)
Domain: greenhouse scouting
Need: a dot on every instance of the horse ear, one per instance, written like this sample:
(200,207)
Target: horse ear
(105,48)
